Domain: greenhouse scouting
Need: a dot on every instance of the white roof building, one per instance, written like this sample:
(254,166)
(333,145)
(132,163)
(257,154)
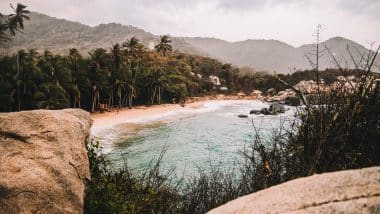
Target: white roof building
(215,80)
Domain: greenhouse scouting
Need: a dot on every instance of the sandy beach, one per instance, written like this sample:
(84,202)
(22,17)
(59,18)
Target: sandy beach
(109,119)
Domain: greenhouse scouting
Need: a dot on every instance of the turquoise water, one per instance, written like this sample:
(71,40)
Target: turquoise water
(191,138)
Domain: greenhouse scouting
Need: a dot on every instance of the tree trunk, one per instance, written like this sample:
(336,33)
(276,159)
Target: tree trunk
(109,100)
(119,96)
(130,97)
(95,100)
(124,100)
(17,76)
(153,95)
(159,95)
(93,103)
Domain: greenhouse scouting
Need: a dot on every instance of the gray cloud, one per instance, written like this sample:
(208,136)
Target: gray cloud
(362,7)
(241,4)
(246,5)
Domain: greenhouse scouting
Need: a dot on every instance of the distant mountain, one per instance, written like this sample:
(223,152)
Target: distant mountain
(273,55)
(43,32)
(58,35)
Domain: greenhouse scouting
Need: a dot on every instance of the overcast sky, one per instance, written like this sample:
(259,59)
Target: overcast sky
(291,21)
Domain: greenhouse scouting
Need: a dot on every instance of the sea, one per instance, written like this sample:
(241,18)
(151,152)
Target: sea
(188,141)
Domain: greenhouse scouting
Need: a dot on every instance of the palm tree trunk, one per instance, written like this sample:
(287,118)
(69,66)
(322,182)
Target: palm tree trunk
(124,100)
(17,76)
(94,100)
(130,100)
(93,104)
(153,95)
(109,100)
(159,95)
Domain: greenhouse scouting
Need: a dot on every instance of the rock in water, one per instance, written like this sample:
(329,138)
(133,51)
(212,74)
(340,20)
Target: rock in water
(43,161)
(351,191)
(242,115)
(254,111)
(276,108)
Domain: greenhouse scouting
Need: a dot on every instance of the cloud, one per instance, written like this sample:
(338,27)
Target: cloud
(291,21)
(363,7)
(241,4)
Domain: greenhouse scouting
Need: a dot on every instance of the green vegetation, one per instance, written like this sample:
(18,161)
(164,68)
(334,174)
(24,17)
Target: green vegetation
(341,134)
(125,75)
(335,131)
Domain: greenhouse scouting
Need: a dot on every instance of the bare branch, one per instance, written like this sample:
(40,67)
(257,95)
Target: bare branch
(352,57)
(373,60)
(310,61)
(361,56)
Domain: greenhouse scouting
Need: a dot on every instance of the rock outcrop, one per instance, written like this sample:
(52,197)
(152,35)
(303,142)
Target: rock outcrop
(274,109)
(43,161)
(352,191)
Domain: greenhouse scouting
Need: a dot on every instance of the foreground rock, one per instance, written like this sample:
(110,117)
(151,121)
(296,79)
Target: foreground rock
(43,161)
(352,191)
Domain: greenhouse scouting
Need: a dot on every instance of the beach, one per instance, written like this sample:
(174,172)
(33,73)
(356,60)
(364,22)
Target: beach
(126,115)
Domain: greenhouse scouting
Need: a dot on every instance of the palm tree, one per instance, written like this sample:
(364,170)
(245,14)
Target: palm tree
(3,29)
(98,74)
(7,83)
(164,45)
(157,82)
(134,52)
(15,22)
(115,81)
(74,57)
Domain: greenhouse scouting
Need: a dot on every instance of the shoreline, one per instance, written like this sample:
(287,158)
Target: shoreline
(126,115)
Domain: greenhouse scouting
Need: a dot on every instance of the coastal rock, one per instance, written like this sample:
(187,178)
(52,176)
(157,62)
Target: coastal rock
(276,108)
(281,96)
(351,191)
(43,161)
(293,101)
(271,91)
(242,115)
(254,111)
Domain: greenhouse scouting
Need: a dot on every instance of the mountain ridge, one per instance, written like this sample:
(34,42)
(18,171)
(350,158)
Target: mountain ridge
(44,32)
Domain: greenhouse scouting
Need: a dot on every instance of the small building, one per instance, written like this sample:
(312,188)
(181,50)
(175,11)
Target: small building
(215,80)
(223,88)
(151,46)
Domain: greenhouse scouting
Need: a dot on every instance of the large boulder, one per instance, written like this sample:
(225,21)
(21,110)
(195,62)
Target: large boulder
(351,191)
(43,161)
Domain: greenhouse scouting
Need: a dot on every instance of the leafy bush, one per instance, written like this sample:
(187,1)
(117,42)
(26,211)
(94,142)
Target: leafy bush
(120,191)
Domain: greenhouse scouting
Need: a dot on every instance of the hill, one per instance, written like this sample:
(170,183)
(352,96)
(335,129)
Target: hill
(273,55)
(43,32)
(58,35)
